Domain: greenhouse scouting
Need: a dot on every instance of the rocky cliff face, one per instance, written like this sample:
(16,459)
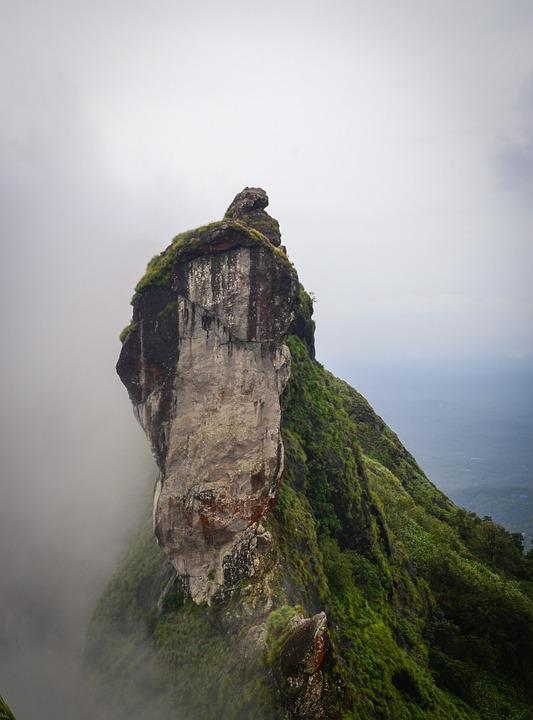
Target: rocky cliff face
(205,365)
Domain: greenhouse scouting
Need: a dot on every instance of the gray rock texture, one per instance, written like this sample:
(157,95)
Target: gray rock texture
(306,645)
(249,207)
(205,365)
(301,661)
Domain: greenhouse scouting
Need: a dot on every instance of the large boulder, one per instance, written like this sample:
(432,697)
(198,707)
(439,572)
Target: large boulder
(205,364)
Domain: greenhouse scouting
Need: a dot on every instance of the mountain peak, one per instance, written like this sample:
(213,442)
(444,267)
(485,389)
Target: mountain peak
(248,207)
(205,364)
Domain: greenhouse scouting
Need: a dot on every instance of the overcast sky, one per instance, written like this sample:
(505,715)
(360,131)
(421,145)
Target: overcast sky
(395,140)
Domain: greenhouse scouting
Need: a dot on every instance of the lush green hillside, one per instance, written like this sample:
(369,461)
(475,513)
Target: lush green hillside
(430,609)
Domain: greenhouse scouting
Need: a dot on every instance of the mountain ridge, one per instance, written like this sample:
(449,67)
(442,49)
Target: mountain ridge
(367,593)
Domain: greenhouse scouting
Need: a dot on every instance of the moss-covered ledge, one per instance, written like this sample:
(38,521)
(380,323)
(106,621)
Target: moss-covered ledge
(206,240)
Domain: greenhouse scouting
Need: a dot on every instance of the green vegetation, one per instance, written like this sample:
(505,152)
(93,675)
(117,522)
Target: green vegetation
(375,605)
(126,331)
(170,309)
(430,607)
(278,627)
(148,660)
(197,660)
(5,712)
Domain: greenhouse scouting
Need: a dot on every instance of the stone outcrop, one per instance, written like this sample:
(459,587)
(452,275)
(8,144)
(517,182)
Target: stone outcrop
(249,207)
(205,365)
(305,648)
(300,663)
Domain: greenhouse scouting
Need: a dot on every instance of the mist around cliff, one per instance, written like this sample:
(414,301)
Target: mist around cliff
(74,463)
(74,466)
(401,178)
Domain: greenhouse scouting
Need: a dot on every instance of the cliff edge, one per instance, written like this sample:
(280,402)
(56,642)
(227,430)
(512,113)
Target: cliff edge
(205,365)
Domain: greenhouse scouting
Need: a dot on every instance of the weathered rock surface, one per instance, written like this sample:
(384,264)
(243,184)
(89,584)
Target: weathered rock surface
(205,365)
(306,646)
(300,663)
(249,207)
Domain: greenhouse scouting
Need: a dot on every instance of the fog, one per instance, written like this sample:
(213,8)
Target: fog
(396,143)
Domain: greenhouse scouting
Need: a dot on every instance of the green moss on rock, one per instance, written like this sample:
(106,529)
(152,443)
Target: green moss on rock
(208,239)
(127,331)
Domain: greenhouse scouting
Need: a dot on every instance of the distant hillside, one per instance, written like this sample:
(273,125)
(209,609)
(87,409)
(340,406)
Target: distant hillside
(471,428)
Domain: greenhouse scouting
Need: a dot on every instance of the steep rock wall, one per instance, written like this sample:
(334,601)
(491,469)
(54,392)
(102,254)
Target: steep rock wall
(205,365)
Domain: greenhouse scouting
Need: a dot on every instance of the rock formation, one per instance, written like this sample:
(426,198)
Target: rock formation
(307,569)
(249,207)
(300,661)
(205,365)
